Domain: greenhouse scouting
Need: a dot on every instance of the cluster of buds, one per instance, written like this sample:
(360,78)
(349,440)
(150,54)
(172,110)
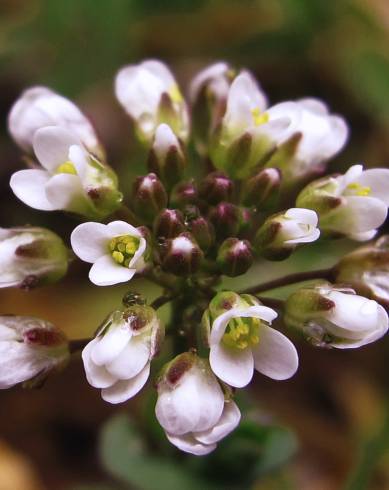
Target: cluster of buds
(189,221)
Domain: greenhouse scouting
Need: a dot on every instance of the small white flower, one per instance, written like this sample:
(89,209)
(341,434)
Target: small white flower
(336,317)
(214,78)
(29,347)
(118,360)
(39,107)
(116,250)
(358,201)
(30,257)
(241,340)
(191,407)
(150,95)
(70,178)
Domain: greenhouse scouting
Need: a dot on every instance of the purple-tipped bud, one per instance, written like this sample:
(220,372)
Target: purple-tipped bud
(182,255)
(203,231)
(216,187)
(235,257)
(148,197)
(169,223)
(184,193)
(227,219)
(262,190)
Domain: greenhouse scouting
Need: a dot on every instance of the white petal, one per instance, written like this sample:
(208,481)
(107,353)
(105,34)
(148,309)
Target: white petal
(160,70)
(131,360)
(307,216)
(364,214)
(97,376)
(79,157)
(228,422)
(119,228)
(164,140)
(51,146)
(123,390)
(106,272)
(377,179)
(136,261)
(214,71)
(363,236)
(233,366)
(275,355)
(65,191)
(90,241)
(29,187)
(189,444)
(314,105)
(108,346)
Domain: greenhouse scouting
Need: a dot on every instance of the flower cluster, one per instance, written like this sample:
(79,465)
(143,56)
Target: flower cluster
(188,222)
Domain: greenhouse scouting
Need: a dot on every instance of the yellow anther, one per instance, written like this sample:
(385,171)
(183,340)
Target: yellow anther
(175,94)
(131,248)
(259,117)
(254,339)
(66,168)
(242,344)
(118,257)
(242,332)
(123,248)
(358,189)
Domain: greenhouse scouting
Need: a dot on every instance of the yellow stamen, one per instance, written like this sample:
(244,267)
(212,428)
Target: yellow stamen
(175,94)
(242,332)
(66,168)
(358,189)
(259,117)
(123,249)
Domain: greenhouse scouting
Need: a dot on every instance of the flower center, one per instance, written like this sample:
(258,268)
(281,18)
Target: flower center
(358,190)
(175,94)
(66,168)
(259,117)
(123,248)
(242,332)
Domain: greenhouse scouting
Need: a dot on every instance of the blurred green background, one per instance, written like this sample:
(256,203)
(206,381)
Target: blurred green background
(337,405)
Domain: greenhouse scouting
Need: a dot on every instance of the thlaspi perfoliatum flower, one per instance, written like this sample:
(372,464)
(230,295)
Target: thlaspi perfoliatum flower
(214,201)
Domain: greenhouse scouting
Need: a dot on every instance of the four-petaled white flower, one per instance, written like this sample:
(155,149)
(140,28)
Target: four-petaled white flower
(354,204)
(116,250)
(191,406)
(71,179)
(150,95)
(118,360)
(241,340)
(39,107)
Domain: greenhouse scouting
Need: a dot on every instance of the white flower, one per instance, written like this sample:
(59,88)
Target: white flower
(357,201)
(336,317)
(39,107)
(118,360)
(150,95)
(214,78)
(29,348)
(241,340)
(30,257)
(191,407)
(116,251)
(71,179)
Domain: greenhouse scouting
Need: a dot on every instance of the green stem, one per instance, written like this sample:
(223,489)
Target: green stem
(162,300)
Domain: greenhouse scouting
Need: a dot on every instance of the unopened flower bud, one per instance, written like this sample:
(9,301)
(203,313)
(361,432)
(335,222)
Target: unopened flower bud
(166,157)
(30,349)
(330,316)
(31,257)
(118,360)
(366,270)
(281,233)
(226,218)
(169,223)
(184,193)
(202,230)
(261,190)
(181,256)
(216,187)
(148,197)
(235,257)
(191,406)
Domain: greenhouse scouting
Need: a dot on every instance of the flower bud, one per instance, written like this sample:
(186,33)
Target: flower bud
(329,316)
(184,193)
(181,255)
(216,187)
(262,190)
(118,360)
(202,230)
(366,270)
(226,218)
(166,157)
(169,223)
(281,233)
(235,257)
(148,197)
(191,406)
(31,257)
(39,107)
(150,95)
(30,349)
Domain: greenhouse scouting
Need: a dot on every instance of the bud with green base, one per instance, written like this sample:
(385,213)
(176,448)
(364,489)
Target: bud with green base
(148,197)
(216,188)
(183,194)
(118,359)
(30,349)
(191,405)
(168,223)
(262,189)
(235,257)
(331,316)
(278,237)
(366,270)
(31,257)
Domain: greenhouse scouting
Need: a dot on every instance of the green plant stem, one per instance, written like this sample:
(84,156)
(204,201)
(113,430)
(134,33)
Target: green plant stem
(290,279)
(162,300)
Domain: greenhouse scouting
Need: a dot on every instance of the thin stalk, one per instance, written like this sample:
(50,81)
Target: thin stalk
(162,300)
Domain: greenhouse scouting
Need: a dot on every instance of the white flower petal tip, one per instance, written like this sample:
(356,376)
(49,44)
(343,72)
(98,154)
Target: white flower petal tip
(116,250)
